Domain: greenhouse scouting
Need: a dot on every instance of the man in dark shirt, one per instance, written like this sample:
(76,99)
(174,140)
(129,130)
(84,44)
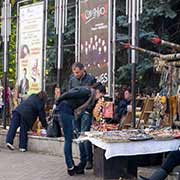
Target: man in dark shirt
(76,100)
(81,78)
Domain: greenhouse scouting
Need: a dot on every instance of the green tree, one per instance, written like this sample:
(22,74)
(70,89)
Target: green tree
(159,18)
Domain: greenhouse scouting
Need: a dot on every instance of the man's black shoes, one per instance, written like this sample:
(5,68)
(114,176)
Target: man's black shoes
(71,171)
(89,165)
(79,169)
(75,170)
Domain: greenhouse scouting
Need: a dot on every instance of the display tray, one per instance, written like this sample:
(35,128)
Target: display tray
(118,136)
(163,138)
(113,140)
(140,138)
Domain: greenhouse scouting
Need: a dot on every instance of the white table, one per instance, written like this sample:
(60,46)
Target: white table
(123,156)
(133,148)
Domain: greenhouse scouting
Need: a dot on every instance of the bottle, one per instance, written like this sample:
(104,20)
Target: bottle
(142,125)
(38,129)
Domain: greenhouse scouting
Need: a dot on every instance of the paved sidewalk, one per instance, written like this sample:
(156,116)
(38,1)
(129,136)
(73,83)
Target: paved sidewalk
(15,165)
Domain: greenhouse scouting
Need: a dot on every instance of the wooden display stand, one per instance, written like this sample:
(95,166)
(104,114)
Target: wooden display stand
(126,120)
(146,111)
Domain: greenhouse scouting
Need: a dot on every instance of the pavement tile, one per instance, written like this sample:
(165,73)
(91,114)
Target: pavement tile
(15,165)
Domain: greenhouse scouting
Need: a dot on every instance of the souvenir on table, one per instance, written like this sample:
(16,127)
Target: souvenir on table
(176,133)
(162,134)
(140,137)
(104,126)
(120,136)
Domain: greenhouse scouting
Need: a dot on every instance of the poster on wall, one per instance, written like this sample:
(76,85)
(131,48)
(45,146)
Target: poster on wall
(94,37)
(30,49)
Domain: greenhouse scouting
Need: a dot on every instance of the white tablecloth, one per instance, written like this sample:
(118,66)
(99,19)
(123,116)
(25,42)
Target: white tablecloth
(136,148)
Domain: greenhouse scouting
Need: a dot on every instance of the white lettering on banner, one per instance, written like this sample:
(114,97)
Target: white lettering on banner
(103,78)
(94,13)
(94,49)
(102,27)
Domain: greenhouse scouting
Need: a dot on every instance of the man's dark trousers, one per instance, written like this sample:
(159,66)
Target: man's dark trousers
(84,124)
(172,161)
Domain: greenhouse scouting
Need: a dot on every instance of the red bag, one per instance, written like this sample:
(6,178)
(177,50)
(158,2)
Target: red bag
(108,110)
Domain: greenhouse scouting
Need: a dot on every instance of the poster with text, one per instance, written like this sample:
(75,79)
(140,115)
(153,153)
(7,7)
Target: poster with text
(30,50)
(94,37)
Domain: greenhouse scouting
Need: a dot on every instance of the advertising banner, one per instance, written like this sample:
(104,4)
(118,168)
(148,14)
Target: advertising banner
(30,49)
(94,37)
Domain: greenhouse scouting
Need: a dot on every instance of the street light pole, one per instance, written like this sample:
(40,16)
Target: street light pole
(133,9)
(133,61)
(60,23)
(5,33)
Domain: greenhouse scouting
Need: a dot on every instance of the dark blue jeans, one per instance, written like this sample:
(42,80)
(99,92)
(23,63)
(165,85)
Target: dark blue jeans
(172,161)
(84,124)
(67,125)
(17,121)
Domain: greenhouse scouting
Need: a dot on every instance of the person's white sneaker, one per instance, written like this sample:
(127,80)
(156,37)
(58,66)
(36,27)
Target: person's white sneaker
(22,150)
(10,146)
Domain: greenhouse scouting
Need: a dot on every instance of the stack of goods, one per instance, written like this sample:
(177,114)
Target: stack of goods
(164,134)
(98,126)
(128,135)
(176,133)
(161,135)
(120,136)
(159,114)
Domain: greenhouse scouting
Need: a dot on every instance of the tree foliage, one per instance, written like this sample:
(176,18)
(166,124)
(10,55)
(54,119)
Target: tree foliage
(160,18)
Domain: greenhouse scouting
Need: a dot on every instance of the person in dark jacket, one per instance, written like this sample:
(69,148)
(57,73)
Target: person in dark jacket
(123,104)
(24,117)
(76,101)
(171,162)
(83,123)
(80,77)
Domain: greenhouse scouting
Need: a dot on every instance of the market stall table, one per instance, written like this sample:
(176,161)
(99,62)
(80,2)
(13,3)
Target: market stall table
(114,160)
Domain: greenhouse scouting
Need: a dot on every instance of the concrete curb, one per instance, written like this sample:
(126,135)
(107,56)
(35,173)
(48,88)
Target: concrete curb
(53,146)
